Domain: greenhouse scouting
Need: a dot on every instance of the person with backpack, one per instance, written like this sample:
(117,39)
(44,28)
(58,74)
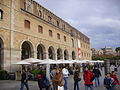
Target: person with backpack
(88,79)
(97,74)
(43,81)
(24,80)
(76,80)
(116,81)
(58,80)
(109,82)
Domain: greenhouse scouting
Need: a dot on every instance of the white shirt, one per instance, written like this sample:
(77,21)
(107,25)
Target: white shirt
(65,72)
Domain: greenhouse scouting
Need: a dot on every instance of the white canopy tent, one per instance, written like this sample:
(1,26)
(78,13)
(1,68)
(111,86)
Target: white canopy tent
(22,63)
(30,61)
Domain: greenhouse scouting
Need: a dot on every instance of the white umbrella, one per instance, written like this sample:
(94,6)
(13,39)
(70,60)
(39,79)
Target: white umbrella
(22,63)
(32,60)
(48,61)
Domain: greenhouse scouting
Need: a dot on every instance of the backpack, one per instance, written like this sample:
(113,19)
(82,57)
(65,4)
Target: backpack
(109,83)
(46,82)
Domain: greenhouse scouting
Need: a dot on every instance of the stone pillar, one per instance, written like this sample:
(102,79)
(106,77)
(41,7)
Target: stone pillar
(35,54)
(107,66)
(6,62)
(47,67)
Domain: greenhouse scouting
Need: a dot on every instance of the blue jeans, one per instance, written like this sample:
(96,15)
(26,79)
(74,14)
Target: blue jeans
(76,84)
(65,83)
(22,85)
(90,86)
(97,82)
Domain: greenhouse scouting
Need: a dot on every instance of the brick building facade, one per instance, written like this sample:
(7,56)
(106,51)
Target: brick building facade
(27,29)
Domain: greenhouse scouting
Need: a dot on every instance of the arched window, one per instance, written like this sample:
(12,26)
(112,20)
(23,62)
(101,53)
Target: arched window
(51,53)
(59,54)
(73,55)
(66,55)
(41,52)
(27,50)
(1,14)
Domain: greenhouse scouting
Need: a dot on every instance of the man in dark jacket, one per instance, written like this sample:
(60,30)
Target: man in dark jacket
(97,74)
(88,79)
(24,80)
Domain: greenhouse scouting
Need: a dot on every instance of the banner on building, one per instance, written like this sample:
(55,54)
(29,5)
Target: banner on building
(79,49)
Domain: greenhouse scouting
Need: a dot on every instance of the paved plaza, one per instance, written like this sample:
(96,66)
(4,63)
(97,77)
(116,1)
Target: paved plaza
(15,85)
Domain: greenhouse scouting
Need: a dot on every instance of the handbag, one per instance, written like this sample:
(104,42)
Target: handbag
(60,88)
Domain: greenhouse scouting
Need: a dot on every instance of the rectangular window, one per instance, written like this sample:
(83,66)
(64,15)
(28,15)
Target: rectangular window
(58,36)
(1,14)
(50,33)
(27,24)
(40,29)
(65,38)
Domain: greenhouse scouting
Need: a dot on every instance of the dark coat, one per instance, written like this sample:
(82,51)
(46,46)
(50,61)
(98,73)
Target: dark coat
(96,72)
(23,77)
(76,76)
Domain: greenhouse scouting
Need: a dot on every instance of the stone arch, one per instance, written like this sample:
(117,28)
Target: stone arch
(73,55)
(27,50)
(1,53)
(59,54)
(41,52)
(66,55)
(51,53)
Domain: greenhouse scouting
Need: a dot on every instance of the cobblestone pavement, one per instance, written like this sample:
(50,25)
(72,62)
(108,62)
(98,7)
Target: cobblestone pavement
(15,85)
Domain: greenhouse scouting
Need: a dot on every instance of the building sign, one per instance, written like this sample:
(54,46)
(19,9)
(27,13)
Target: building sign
(79,49)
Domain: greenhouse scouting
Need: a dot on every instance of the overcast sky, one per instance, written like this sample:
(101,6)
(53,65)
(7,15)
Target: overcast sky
(98,19)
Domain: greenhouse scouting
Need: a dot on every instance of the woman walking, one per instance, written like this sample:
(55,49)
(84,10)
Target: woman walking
(58,80)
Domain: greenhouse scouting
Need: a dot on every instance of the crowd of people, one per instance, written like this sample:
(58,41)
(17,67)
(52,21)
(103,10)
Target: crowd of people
(59,79)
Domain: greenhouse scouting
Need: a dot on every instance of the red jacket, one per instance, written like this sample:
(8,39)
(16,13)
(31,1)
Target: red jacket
(116,81)
(88,76)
